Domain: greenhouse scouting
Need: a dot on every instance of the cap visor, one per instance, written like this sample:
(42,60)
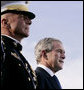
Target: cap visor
(29,14)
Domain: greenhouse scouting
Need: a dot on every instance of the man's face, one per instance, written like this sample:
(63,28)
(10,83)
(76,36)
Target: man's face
(20,25)
(56,57)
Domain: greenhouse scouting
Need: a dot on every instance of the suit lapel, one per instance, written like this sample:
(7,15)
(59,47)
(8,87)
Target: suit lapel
(52,82)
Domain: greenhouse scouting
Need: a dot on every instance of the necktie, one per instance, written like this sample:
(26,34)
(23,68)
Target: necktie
(57,82)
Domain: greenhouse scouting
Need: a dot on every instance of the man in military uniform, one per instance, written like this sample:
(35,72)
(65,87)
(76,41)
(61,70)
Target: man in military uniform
(16,72)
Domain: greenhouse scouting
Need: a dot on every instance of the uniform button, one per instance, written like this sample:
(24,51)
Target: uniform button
(1,73)
(29,71)
(15,44)
(34,78)
(29,78)
(20,65)
(26,65)
(4,47)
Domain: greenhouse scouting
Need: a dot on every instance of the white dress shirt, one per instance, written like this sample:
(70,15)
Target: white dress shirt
(46,69)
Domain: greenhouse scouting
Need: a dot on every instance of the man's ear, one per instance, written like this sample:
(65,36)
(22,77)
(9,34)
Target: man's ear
(5,23)
(44,54)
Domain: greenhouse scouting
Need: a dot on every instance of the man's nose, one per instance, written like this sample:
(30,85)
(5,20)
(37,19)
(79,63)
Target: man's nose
(63,56)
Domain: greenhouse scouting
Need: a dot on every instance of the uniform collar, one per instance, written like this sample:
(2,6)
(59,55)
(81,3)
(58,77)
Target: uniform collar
(12,38)
(12,42)
(46,69)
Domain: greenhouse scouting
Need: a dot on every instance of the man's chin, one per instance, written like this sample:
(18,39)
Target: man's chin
(26,35)
(22,35)
(57,69)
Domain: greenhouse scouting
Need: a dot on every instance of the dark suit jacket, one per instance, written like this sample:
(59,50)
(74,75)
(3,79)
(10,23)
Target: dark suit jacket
(45,81)
(15,70)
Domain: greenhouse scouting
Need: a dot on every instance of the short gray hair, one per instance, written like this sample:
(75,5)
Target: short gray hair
(44,44)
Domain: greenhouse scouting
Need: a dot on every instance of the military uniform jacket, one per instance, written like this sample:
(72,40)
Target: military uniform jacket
(45,81)
(16,72)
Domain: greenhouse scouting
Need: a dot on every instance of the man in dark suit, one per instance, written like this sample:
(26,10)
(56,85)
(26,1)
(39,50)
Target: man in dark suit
(50,55)
(16,72)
